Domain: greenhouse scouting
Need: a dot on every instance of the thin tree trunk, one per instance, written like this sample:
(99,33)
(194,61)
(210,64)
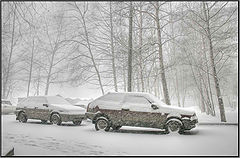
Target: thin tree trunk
(31,66)
(208,78)
(112,50)
(204,87)
(124,80)
(184,96)
(203,109)
(177,88)
(217,87)
(172,49)
(130,49)
(10,55)
(91,54)
(162,71)
(140,49)
(158,87)
(138,85)
(49,72)
(199,87)
(155,84)
(38,80)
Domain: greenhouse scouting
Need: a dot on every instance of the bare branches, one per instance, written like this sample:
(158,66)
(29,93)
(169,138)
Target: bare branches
(220,26)
(212,16)
(83,42)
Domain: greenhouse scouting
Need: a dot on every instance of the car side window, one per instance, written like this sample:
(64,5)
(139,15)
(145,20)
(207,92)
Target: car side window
(113,97)
(40,100)
(27,103)
(139,100)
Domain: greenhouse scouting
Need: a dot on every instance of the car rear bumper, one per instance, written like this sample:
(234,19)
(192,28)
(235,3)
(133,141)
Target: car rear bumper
(72,117)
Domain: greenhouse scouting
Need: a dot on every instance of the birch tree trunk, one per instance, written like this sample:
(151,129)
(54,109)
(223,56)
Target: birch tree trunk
(208,78)
(213,66)
(89,49)
(38,80)
(31,66)
(112,50)
(49,72)
(124,80)
(173,51)
(140,49)
(130,49)
(202,102)
(162,71)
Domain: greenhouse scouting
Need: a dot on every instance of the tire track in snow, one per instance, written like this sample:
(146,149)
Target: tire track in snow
(68,147)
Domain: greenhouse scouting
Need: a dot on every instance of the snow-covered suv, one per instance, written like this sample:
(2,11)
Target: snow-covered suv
(115,110)
(53,108)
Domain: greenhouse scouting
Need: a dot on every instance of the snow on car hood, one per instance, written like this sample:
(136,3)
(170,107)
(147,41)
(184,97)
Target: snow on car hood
(172,109)
(69,108)
(176,110)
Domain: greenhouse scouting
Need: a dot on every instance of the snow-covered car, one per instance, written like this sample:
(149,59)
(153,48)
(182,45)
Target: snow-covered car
(53,108)
(115,110)
(7,107)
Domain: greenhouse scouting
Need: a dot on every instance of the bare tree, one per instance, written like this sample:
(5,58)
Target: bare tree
(7,75)
(130,48)
(162,71)
(213,66)
(86,39)
(112,49)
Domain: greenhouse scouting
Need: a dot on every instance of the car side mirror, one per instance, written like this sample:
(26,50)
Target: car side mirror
(154,106)
(45,105)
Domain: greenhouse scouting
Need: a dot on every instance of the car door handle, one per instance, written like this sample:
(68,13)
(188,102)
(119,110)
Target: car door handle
(125,109)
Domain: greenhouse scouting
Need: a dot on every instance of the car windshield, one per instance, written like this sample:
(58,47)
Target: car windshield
(57,100)
(156,100)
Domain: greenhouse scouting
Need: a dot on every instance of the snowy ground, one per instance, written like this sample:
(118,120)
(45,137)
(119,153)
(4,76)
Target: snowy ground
(34,138)
(231,116)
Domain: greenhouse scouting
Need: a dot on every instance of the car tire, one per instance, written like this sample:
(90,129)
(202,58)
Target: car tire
(102,123)
(173,126)
(22,117)
(116,127)
(44,121)
(56,119)
(77,123)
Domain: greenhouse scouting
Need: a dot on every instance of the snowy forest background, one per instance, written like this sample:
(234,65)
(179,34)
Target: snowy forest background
(174,50)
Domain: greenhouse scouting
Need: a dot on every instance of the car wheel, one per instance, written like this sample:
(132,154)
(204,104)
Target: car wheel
(44,121)
(56,119)
(77,123)
(102,124)
(173,126)
(116,127)
(22,117)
